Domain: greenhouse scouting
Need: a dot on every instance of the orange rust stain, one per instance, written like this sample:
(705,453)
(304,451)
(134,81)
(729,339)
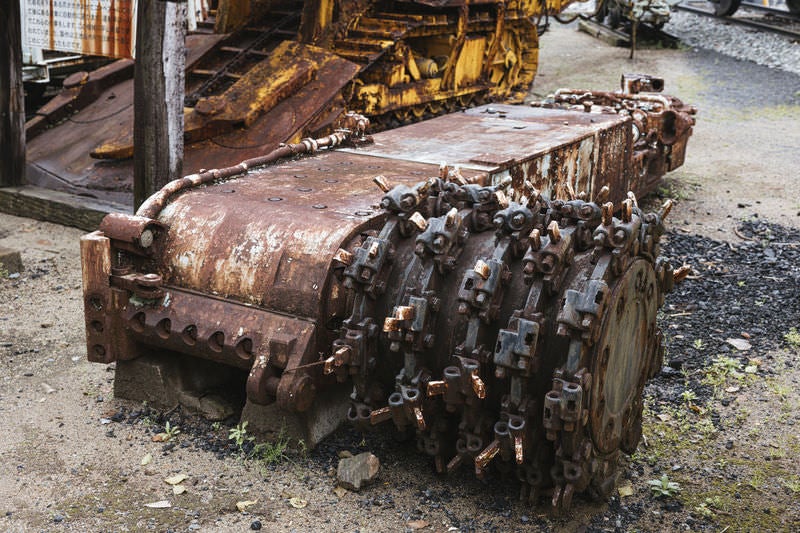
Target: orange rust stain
(52,26)
(113,29)
(98,33)
(85,43)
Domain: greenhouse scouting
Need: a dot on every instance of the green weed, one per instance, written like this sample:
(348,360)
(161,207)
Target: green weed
(663,487)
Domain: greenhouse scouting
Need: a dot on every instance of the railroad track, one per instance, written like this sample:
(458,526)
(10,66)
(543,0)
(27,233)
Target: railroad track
(767,9)
(751,15)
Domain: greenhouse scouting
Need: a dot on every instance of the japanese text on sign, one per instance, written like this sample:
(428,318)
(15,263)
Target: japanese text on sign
(91,27)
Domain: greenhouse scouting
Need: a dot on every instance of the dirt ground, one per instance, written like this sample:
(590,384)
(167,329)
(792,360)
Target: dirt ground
(723,424)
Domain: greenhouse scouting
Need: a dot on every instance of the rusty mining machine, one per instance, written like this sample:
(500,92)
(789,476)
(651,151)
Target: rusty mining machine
(500,308)
(275,71)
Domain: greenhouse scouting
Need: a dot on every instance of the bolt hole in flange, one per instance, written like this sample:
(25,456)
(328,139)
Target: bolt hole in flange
(137,322)
(96,326)
(163,328)
(244,348)
(216,341)
(189,335)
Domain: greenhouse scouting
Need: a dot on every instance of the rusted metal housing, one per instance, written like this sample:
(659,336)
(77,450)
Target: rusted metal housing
(494,306)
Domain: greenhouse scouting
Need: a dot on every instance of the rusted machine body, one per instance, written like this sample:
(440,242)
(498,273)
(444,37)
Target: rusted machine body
(273,72)
(495,307)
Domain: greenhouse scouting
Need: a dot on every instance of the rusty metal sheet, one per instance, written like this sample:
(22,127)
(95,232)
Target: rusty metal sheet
(266,238)
(488,136)
(554,149)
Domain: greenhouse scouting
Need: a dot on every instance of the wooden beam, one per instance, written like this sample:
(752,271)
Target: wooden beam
(158,96)
(12,97)
(57,207)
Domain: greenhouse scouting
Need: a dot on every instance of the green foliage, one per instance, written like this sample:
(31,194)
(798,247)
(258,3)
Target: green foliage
(271,452)
(239,435)
(688,396)
(793,484)
(793,338)
(663,487)
(698,344)
(721,370)
(170,432)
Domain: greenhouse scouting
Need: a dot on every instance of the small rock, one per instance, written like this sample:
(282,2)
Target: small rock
(353,472)
(676,363)
(729,445)
(739,344)
(11,262)
(58,519)
(255,525)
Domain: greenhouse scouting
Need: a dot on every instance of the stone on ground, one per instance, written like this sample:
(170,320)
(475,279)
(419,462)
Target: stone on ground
(10,260)
(360,470)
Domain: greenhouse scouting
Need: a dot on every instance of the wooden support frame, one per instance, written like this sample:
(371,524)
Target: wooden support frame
(12,97)
(158,96)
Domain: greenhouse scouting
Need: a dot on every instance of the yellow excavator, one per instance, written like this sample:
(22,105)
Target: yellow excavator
(263,72)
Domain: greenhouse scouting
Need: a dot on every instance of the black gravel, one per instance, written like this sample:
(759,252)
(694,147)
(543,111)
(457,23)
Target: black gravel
(747,289)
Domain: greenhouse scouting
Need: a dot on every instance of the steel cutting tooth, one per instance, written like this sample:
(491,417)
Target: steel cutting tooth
(482,269)
(382,183)
(502,199)
(627,210)
(450,218)
(535,240)
(380,415)
(602,195)
(608,213)
(436,388)
(343,256)
(553,232)
(486,456)
(419,221)
(665,209)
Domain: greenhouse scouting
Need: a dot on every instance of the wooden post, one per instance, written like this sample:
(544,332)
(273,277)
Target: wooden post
(158,96)
(12,97)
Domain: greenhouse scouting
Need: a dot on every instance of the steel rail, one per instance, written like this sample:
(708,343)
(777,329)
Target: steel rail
(767,9)
(741,22)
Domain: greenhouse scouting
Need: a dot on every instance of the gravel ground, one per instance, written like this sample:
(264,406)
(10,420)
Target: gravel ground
(774,51)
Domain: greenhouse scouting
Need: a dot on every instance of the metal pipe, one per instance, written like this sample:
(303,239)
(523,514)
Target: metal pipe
(154,204)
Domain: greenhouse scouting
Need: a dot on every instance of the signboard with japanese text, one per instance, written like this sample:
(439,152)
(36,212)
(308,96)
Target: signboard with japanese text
(88,27)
